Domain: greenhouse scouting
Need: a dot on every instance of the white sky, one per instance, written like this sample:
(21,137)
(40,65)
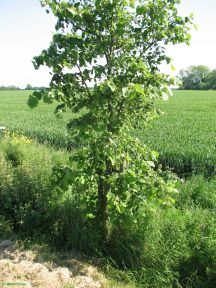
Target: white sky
(26,29)
(202,49)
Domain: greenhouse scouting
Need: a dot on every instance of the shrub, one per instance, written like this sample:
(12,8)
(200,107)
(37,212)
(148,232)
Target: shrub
(14,155)
(26,191)
(5,228)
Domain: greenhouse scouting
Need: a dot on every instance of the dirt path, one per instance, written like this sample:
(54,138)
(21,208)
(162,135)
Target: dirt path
(24,268)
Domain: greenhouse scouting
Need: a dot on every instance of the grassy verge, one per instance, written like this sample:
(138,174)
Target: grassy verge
(165,247)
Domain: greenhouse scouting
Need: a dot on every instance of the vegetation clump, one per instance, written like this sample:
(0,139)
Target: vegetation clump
(165,247)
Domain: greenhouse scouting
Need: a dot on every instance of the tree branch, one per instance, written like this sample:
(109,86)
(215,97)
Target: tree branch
(83,80)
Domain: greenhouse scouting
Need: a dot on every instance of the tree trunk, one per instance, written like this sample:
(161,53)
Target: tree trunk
(103,190)
(102,210)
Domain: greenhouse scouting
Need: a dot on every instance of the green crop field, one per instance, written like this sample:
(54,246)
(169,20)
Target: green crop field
(185,135)
(39,123)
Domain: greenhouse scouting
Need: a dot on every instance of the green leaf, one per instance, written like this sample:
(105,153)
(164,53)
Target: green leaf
(72,10)
(97,2)
(140,10)
(47,99)
(169,91)
(124,91)
(154,154)
(38,94)
(172,68)
(132,3)
(82,180)
(165,96)
(32,101)
(90,216)
(150,163)
(139,88)
(132,92)
(112,86)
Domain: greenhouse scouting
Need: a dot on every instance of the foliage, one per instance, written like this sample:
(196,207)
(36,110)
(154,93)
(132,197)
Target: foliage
(29,87)
(9,88)
(177,244)
(104,58)
(175,249)
(165,247)
(210,80)
(14,155)
(26,191)
(5,228)
(195,78)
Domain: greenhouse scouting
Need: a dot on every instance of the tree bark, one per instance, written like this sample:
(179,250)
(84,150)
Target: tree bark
(103,190)
(102,210)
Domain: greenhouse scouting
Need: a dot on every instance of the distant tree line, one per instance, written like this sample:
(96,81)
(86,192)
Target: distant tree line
(198,78)
(10,87)
(28,87)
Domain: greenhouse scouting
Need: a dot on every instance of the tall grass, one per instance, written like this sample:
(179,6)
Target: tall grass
(26,191)
(164,247)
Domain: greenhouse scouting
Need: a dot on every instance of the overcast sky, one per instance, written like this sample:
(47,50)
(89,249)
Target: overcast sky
(26,29)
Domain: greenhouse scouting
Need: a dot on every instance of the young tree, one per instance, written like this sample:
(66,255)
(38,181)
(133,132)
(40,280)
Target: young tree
(105,58)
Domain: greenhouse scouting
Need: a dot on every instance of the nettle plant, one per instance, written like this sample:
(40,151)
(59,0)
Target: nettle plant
(105,58)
